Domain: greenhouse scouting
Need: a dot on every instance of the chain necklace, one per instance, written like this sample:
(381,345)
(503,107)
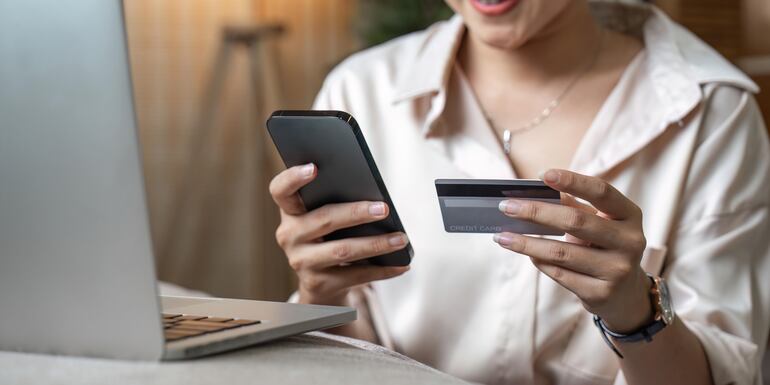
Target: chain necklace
(548,110)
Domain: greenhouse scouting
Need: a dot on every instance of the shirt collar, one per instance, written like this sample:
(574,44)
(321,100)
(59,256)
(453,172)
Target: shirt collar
(680,64)
(433,65)
(679,61)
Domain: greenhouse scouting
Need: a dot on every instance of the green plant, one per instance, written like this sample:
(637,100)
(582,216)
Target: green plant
(382,20)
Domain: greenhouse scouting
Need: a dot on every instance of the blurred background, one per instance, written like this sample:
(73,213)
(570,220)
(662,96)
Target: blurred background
(207,73)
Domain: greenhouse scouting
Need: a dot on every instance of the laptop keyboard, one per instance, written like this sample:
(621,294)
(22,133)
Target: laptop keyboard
(179,326)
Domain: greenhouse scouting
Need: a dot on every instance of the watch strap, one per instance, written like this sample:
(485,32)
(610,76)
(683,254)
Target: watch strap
(643,334)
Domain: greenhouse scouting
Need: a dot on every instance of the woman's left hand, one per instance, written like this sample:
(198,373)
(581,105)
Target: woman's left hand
(600,259)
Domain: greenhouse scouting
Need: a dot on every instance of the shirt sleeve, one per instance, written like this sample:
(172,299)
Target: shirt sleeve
(719,263)
(332,95)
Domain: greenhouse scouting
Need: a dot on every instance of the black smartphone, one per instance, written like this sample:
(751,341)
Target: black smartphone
(333,141)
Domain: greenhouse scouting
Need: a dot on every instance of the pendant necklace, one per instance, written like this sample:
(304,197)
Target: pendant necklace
(549,109)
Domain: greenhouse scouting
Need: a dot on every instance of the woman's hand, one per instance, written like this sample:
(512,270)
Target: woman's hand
(322,267)
(600,260)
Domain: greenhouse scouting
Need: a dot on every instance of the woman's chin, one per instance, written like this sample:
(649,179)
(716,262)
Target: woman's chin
(501,38)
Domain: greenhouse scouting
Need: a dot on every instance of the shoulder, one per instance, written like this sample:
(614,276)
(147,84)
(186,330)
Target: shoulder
(378,69)
(730,166)
(699,60)
(385,59)
(686,72)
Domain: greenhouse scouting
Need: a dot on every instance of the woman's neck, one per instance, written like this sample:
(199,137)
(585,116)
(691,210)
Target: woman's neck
(560,50)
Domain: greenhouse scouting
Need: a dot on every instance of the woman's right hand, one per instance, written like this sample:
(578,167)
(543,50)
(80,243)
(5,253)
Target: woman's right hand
(323,267)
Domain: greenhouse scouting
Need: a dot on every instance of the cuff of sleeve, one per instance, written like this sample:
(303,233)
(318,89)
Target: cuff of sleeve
(732,360)
(365,300)
(377,316)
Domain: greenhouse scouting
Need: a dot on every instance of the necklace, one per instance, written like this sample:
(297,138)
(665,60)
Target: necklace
(549,109)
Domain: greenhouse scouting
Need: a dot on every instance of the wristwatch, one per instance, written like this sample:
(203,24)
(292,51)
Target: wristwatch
(664,316)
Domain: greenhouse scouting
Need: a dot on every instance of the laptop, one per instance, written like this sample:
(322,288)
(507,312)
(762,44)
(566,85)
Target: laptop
(76,264)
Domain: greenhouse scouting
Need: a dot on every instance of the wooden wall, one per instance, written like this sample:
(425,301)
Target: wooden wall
(716,21)
(222,238)
(756,29)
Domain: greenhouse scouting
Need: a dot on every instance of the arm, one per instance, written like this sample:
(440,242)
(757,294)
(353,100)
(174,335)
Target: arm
(600,263)
(675,356)
(328,283)
(718,275)
(363,327)
(326,269)
(718,256)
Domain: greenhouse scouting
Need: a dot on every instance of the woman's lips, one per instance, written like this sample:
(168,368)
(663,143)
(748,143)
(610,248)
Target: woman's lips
(493,7)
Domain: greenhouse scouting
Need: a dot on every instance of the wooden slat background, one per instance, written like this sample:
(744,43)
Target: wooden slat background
(756,32)
(756,27)
(217,246)
(716,21)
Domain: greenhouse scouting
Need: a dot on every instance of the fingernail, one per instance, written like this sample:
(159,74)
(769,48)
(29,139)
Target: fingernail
(551,176)
(397,240)
(377,209)
(502,239)
(541,174)
(509,207)
(307,170)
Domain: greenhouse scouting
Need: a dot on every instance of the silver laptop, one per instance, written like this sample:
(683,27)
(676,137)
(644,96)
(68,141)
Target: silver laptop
(76,265)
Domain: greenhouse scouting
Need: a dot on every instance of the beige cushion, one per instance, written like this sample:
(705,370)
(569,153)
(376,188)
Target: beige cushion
(314,358)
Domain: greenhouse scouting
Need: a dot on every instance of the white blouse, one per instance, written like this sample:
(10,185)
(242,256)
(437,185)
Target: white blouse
(681,135)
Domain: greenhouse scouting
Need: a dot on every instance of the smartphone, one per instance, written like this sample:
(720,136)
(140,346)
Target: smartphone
(333,141)
(470,205)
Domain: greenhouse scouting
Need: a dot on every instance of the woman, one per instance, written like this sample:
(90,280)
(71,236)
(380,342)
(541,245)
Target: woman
(655,142)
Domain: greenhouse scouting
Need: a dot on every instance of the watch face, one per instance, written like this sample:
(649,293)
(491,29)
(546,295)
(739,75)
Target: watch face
(666,306)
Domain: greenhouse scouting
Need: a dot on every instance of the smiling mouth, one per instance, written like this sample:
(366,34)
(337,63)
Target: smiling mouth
(493,7)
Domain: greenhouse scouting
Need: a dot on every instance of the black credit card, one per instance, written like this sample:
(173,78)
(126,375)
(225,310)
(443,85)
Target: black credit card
(471,205)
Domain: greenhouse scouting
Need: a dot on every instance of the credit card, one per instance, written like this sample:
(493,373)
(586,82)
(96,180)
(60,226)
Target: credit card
(471,205)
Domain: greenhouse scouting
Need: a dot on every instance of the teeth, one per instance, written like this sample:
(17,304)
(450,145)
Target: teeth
(490,2)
